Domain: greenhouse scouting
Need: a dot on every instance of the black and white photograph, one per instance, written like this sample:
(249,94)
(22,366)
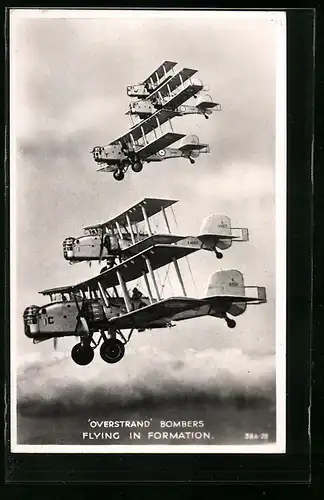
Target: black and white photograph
(147,231)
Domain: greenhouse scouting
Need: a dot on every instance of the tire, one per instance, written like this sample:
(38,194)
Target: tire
(118,175)
(137,166)
(112,351)
(82,355)
(231,323)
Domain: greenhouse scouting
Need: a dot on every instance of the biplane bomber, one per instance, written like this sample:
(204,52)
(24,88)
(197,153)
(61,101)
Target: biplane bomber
(102,310)
(131,232)
(158,100)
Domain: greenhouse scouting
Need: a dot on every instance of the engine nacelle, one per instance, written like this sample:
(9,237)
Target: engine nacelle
(111,154)
(142,108)
(137,91)
(52,320)
(90,247)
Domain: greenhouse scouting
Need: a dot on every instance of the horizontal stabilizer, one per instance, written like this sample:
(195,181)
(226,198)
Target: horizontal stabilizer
(240,234)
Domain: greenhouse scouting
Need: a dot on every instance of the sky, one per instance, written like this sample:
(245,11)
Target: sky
(68,94)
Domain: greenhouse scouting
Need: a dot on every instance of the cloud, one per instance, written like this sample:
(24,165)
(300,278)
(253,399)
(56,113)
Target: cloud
(145,378)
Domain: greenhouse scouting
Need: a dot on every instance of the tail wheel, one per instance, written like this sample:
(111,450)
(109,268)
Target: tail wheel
(231,323)
(192,161)
(219,255)
(137,166)
(118,175)
(82,355)
(112,350)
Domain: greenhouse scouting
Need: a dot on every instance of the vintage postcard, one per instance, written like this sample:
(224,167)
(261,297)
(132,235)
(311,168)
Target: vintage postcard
(148,231)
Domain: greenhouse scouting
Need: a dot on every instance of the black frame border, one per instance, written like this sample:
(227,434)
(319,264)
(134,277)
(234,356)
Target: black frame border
(294,466)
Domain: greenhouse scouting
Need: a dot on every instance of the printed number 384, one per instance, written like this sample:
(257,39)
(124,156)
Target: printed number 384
(251,435)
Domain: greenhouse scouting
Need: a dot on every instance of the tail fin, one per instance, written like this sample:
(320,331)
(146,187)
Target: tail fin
(189,142)
(228,283)
(212,230)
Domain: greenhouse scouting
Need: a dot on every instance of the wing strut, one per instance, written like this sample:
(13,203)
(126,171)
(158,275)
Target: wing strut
(119,231)
(144,136)
(124,291)
(166,220)
(149,291)
(175,263)
(149,267)
(148,227)
(159,124)
(176,266)
(103,295)
(181,81)
(130,229)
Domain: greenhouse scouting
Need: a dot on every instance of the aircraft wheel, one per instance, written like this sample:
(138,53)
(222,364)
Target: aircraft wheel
(118,175)
(191,161)
(112,350)
(231,323)
(82,355)
(219,255)
(137,166)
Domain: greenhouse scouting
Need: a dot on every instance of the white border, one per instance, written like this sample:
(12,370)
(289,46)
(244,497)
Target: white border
(279,19)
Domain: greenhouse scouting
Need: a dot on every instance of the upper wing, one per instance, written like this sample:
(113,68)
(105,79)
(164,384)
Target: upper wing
(152,206)
(58,289)
(183,95)
(133,268)
(146,126)
(160,72)
(173,83)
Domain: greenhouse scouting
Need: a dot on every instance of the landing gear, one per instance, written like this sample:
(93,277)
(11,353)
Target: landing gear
(112,350)
(82,354)
(192,161)
(207,117)
(218,254)
(231,323)
(137,166)
(118,175)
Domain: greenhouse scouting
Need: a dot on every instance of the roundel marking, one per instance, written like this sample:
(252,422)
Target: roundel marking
(162,152)
(182,108)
